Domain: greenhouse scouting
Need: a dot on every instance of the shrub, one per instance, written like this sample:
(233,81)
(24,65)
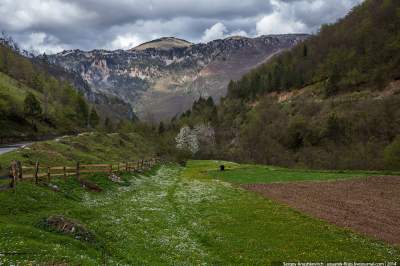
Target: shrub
(392,155)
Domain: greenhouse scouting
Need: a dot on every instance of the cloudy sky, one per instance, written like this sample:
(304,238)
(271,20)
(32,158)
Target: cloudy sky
(55,25)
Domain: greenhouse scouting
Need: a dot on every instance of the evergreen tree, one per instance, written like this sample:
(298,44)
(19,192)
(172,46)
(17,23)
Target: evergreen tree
(94,118)
(108,126)
(210,101)
(32,108)
(161,128)
(82,110)
(37,82)
(305,50)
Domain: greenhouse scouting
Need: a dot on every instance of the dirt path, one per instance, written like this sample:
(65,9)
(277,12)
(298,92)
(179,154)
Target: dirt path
(370,206)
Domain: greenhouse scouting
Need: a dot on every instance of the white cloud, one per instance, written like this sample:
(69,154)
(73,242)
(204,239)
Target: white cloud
(126,41)
(40,42)
(19,15)
(302,16)
(217,31)
(130,35)
(277,24)
(317,12)
(96,24)
(241,33)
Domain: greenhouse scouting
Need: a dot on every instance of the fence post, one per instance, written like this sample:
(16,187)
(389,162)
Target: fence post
(19,166)
(10,175)
(126,166)
(48,174)
(65,172)
(36,172)
(13,181)
(118,167)
(111,168)
(77,170)
(142,165)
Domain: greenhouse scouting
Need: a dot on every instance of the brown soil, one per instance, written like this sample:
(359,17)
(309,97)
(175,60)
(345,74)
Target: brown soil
(90,186)
(369,206)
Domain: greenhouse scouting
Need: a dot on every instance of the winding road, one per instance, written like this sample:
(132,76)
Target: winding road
(12,147)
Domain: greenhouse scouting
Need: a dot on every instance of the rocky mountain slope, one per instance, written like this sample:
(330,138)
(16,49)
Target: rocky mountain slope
(107,105)
(162,78)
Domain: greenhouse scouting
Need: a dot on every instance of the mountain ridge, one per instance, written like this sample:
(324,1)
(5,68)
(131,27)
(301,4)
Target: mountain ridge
(163,43)
(160,83)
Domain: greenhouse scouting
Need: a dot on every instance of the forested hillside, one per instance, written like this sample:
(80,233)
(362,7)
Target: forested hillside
(35,104)
(332,102)
(360,51)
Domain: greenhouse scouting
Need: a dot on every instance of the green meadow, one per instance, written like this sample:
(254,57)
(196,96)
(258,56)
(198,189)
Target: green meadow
(172,216)
(261,174)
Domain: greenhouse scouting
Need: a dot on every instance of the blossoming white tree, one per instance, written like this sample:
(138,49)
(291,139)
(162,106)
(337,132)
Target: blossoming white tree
(201,136)
(187,140)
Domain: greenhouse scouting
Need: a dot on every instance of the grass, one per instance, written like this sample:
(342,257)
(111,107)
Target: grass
(250,174)
(11,88)
(171,216)
(93,147)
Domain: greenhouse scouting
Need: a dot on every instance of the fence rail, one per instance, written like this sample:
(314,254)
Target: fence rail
(18,172)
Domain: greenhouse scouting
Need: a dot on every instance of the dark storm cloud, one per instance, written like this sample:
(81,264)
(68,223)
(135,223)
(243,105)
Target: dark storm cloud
(54,25)
(122,11)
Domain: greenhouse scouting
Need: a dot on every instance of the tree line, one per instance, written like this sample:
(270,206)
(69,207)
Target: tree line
(332,102)
(358,52)
(49,105)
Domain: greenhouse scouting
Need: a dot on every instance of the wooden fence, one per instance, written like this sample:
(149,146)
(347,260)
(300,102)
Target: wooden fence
(18,172)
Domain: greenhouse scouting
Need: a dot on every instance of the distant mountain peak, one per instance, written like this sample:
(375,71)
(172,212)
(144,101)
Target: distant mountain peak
(164,43)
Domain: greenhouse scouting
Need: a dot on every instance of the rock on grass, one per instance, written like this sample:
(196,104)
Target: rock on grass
(68,226)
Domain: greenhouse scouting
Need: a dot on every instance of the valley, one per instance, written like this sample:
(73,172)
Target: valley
(173,215)
(260,132)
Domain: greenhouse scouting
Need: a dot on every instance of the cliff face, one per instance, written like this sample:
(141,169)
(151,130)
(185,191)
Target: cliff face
(162,78)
